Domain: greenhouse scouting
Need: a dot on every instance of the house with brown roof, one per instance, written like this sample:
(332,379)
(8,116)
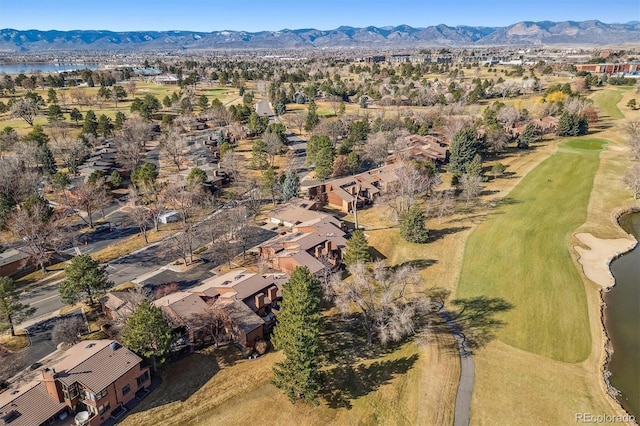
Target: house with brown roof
(13,261)
(295,211)
(361,189)
(257,291)
(247,326)
(316,244)
(183,311)
(119,304)
(96,376)
(422,148)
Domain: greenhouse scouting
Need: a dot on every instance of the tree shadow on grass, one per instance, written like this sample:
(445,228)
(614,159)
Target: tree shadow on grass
(416,263)
(183,377)
(438,234)
(476,319)
(345,382)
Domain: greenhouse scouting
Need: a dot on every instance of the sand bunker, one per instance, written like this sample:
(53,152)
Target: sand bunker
(595,259)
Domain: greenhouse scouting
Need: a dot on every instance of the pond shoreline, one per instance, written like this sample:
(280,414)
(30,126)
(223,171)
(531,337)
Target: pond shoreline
(607,258)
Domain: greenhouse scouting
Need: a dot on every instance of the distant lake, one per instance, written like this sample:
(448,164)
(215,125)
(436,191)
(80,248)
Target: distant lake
(45,68)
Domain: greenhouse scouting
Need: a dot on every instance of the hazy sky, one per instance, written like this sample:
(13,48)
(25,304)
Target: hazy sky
(250,15)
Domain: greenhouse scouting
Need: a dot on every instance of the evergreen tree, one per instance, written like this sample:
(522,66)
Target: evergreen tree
(475,166)
(120,119)
(115,179)
(298,336)
(312,118)
(54,114)
(257,124)
(412,226)
(145,175)
(270,183)
(259,155)
(90,126)
(324,163)
(105,126)
(527,136)
(84,275)
(357,249)
(290,186)
(148,333)
(46,160)
(315,144)
(203,102)
(75,115)
(11,310)
(464,147)
(571,124)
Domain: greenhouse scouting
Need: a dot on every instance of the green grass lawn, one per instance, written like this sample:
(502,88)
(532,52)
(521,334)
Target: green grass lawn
(521,253)
(608,99)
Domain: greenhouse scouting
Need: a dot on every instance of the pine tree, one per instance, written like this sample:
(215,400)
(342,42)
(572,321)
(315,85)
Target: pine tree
(412,226)
(84,275)
(357,249)
(298,336)
(474,168)
(270,183)
(290,186)
(90,126)
(312,119)
(259,155)
(527,136)
(324,163)
(464,147)
(11,310)
(148,333)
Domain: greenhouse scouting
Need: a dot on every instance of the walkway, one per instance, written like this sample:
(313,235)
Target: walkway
(467,375)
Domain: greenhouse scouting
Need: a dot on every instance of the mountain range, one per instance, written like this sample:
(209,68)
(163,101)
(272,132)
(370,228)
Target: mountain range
(522,34)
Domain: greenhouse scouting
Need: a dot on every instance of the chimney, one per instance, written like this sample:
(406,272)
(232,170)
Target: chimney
(259,299)
(327,246)
(272,293)
(318,251)
(54,389)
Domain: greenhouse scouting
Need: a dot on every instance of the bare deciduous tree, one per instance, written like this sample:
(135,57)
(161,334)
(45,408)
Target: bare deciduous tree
(632,179)
(632,130)
(26,109)
(173,145)
(441,204)
(230,163)
(89,197)
(68,330)
(215,324)
(297,120)
(41,232)
(471,187)
(165,290)
(70,150)
(377,147)
(389,300)
(130,141)
(181,244)
(508,115)
(411,183)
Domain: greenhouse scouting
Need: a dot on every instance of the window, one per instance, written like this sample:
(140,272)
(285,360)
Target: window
(101,394)
(140,380)
(126,389)
(104,407)
(70,392)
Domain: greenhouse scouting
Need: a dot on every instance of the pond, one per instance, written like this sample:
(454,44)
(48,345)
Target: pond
(622,320)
